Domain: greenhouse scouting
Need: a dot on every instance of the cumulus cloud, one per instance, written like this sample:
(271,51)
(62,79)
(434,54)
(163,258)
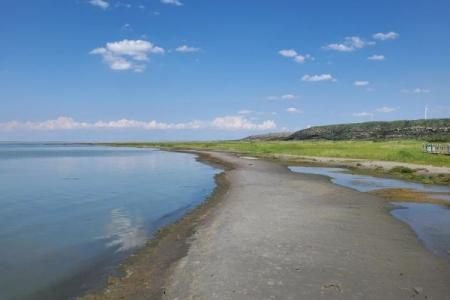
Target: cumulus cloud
(376,57)
(361,83)
(67,123)
(283,97)
(187,49)
(291,53)
(317,78)
(386,36)
(292,110)
(385,109)
(350,43)
(241,123)
(99,3)
(127,54)
(172,2)
(288,53)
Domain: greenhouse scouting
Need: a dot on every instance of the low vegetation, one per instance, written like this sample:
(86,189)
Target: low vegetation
(433,130)
(408,151)
(405,151)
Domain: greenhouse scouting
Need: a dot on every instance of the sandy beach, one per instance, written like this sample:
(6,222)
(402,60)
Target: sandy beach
(268,233)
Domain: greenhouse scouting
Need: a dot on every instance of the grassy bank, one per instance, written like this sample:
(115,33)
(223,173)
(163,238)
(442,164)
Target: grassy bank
(406,151)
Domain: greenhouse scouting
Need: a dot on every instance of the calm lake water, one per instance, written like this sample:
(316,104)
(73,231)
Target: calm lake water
(69,214)
(430,222)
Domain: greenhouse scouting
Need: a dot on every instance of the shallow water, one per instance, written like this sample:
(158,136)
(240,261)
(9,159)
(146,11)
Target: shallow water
(430,222)
(69,214)
(364,183)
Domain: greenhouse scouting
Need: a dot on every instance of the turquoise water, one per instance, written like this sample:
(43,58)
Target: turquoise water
(430,222)
(69,214)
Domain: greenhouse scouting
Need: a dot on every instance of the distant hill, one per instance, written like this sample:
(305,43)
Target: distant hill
(274,136)
(431,130)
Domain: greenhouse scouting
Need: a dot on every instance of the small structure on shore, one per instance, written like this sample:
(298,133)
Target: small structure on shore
(437,148)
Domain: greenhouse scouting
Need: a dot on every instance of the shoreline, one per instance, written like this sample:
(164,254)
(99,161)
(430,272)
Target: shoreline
(421,173)
(161,256)
(169,244)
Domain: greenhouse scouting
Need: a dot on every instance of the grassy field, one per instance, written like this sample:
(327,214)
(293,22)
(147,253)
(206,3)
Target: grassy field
(402,151)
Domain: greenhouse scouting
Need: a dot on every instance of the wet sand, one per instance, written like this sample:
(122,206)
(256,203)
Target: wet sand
(268,233)
(366,164)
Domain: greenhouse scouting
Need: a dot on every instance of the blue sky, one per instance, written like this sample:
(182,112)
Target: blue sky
(171,70)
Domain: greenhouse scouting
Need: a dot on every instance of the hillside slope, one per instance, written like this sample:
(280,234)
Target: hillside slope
(432,130)
(273,136)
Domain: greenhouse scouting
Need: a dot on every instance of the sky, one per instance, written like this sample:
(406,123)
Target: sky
(108,70)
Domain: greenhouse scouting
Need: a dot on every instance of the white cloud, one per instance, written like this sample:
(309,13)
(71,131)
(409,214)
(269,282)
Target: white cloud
(289,97)
(317,78)
(292,110)
(363,114)
(288,53)
(376,57)
(127,54)
(361,83)
(245,112)
(350,43)
(291,53)
(100,3)
(420,91)
(67,123)
(385,109)
(302,58)
(386,36)
(172,2)
(241,123)
(339,47)
(283,97)
(416,91)
(187,49)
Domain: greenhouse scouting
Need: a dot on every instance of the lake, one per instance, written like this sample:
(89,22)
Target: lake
(70,214)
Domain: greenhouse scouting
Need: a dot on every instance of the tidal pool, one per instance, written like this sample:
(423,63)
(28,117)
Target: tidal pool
(430,222)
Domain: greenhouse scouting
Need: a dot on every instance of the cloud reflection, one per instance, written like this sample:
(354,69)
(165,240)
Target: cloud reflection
(123,233)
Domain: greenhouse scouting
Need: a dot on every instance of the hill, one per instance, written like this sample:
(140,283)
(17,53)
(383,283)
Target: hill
(274,136)
(430,130)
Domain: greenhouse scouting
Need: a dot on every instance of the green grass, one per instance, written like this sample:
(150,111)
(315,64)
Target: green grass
(407,151)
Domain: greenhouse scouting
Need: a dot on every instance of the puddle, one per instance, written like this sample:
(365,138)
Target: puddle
(430,222)
(364,183)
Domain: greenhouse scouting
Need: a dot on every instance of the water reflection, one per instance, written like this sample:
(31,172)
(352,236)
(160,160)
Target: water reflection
(65,209)
(122,233)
